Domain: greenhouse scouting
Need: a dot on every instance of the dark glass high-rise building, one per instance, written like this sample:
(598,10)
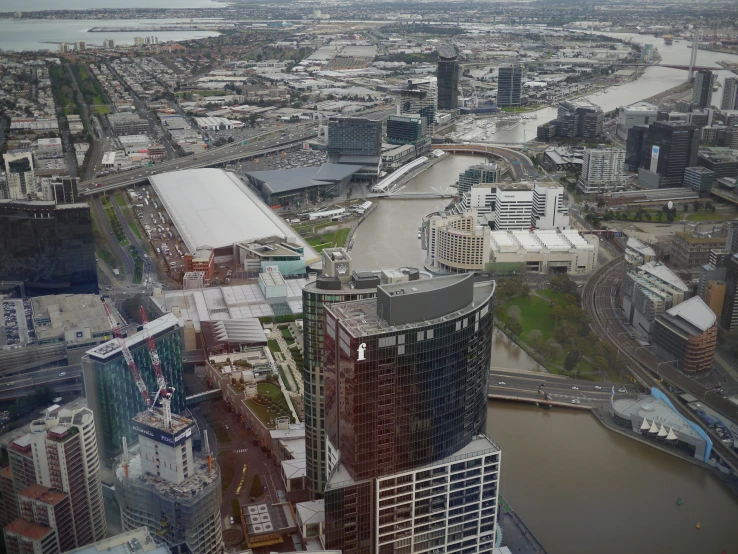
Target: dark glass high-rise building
(668,148)
(448,78)
(354,136)
(48,247)
(704,81)
(510,85)
(338,283)
(409,466)
(405,129)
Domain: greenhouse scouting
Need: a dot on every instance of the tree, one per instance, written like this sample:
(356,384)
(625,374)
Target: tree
(601,203)
(697,205)
(514,328)
(257,489)
(572,359)
(535,339)
(513,314)
(557,313)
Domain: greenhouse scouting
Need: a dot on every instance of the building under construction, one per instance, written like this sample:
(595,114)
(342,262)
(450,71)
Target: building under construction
(166,488)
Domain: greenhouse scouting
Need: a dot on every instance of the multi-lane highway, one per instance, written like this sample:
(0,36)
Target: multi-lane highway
(599,301)
(61,379)
(257,146)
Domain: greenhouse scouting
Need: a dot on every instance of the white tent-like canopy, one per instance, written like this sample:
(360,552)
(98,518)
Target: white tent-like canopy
(654,428)
(671,436)
(662,431)
(645,425)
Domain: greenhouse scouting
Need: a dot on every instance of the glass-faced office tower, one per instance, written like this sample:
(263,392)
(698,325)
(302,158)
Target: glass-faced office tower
(409,468)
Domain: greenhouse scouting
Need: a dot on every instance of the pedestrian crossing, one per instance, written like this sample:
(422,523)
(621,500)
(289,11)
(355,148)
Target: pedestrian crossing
(241,451)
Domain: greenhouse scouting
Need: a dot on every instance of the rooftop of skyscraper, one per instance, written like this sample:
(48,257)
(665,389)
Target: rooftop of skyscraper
(156,419)
(420,303)
(136,541)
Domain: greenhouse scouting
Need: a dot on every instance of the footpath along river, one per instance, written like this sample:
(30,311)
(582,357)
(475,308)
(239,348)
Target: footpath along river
(580,488)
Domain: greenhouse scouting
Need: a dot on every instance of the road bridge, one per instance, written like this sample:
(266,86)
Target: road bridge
(62,380)
(407,195)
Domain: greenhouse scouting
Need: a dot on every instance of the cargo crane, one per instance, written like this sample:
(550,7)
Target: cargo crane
(127,355)
(164,391)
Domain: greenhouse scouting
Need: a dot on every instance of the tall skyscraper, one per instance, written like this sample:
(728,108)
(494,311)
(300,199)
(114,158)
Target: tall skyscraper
(111,390)
(420,97)
(668,148)
(730,94)
(57,492)
(48,247)
(704,81)
(354,136)
(602,170)
(409,466)
(509,85)
(165,488)
(448,78)
(338,283)
(21,175)
(405,129)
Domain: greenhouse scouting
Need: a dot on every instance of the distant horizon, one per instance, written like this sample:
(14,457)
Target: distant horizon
(55,5)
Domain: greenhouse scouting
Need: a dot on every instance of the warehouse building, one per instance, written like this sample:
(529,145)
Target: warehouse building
(298,186)
(212,208)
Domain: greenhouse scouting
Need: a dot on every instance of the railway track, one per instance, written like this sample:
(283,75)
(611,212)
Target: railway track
(599,301)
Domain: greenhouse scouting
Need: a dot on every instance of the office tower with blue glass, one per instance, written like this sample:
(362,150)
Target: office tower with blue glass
(409,468)
(510,85)
(111,389)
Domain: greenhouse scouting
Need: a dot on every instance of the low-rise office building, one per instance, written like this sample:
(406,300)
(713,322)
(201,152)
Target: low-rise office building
(690,251)
(686,336)
(637,253)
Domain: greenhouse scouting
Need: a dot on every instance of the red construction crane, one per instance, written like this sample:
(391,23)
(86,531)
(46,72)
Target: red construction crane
(127,355)
(160,381)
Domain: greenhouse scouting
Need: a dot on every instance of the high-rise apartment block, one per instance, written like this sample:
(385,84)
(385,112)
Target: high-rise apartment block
(409,466)
(579,119)
(337,283)
(729,317)
(476,175)
(602,170)
(730,94)
(420,97)
(640,113)
(647,292)
(165,488)
(48,247)
(704,81)
(457,243)
(21,175)
(448,78)
(111,389)
(56,487)
(354,136)
(510,85)
(108,44)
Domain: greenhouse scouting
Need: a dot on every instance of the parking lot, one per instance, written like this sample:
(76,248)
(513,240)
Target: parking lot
(18,323)
(167,248)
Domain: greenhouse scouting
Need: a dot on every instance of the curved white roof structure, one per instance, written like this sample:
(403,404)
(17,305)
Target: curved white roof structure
(212,207)
(645,426)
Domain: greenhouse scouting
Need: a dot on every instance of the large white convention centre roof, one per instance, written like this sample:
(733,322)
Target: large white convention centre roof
(212,207)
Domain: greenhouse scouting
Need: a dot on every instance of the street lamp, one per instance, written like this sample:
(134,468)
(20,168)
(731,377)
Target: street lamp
(661,363)
(639,347)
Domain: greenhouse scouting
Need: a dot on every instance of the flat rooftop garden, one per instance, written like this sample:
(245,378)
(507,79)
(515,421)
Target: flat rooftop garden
(269,404)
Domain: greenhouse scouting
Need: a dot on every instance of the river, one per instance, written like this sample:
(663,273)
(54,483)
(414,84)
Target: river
(579,487)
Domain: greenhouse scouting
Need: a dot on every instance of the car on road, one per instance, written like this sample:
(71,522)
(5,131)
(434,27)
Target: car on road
(575,401)
(598,387)
(622,390)
(62,374)
(575,388)
(232,520)
(172,264)
(227,427)
(501,383)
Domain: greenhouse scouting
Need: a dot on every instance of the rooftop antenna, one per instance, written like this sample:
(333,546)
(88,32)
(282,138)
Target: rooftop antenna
(126,457)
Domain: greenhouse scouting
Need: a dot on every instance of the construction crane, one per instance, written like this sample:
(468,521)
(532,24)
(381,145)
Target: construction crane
(208,453)
(127,354)
(164,392)
(126,460)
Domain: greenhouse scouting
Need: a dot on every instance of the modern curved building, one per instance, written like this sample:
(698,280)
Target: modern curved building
(409,466)
(457,243)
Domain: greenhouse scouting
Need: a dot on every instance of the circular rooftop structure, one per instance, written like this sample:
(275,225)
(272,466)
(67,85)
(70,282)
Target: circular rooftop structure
(447,51)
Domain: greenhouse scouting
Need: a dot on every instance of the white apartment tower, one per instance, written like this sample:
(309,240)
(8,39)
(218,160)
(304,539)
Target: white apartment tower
(602,170)
(21,175)
(549,210)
